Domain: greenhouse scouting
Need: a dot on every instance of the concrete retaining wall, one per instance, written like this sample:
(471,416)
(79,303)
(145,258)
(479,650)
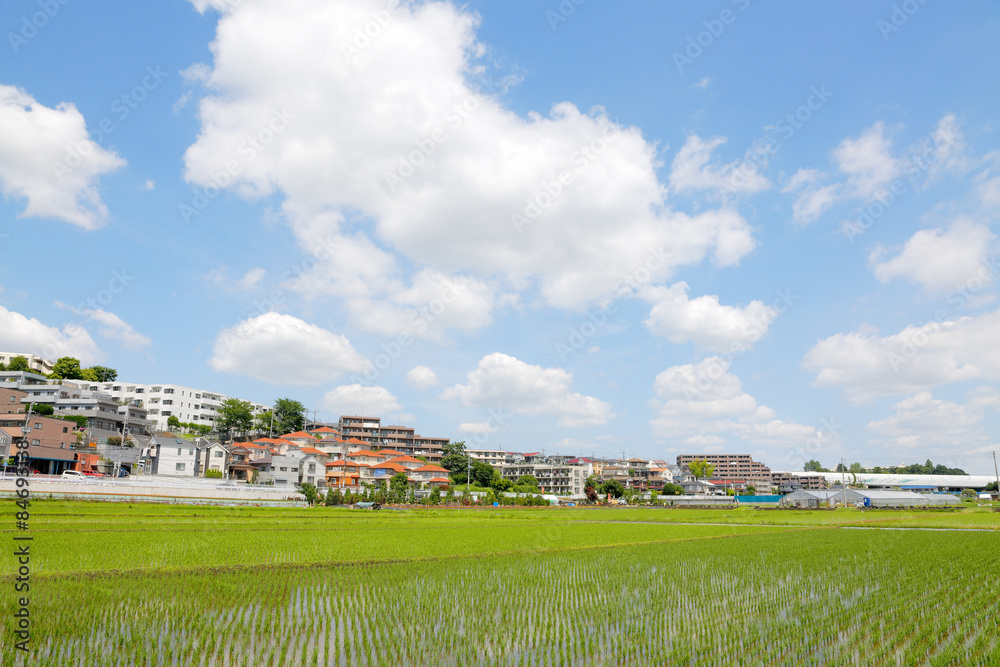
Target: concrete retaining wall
(149,490)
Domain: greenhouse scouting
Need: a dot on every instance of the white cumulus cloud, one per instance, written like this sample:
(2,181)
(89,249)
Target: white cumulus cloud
(47,158)
(939,427)
(939,260)
(703,403)
(421,377)
(917,359)
(23,334)
(704,320)
(503,381)
(397,151)
(281,349)
(356,399)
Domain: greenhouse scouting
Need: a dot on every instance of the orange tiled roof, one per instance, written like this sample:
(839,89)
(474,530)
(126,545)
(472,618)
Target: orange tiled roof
(389,453)
(311,450)
(430,468)
(440,479)
(389,466)
(404,459)
(299,434)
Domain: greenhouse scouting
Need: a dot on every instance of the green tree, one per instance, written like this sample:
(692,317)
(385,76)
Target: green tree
(309,491)
(453,457)
(333,497)
(528,480)
(98,374)
(399,484)
(65,368)
(289,416)
(653,493)
(855,468)
(611,487)
(673,490)
(43,409)
(235,416)
(701,469)
(262,423)
(500,483)
(751,491)
(435,497)
(992,486)
(813,466)
(80,420)
(20,363)
(173,422)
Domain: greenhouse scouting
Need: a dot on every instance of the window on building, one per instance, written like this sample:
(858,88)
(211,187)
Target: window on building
(38,426)
(218,455)
(178,451)
(36,442)
(283,469)
(179,467)
(65,429)
(168,391)
(168,402)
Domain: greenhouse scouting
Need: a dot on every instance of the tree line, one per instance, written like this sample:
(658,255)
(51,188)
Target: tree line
(926,468)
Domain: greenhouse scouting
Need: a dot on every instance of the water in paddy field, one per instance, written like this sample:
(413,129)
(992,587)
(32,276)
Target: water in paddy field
(822,598)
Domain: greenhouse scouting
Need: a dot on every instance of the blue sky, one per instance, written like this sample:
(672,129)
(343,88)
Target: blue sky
(259,198)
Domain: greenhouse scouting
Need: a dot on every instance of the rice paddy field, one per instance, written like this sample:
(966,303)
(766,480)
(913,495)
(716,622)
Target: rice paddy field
(116,584)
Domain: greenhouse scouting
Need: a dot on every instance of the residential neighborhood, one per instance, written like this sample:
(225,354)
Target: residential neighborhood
(120,429)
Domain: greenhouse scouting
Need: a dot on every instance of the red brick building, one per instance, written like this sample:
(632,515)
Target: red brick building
(50,440)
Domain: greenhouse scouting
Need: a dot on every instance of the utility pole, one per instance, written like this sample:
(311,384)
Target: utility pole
(26,429)
(996,472)
(118,465)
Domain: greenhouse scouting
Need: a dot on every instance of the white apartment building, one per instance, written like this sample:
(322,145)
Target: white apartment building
(37,364)
(559,479)
(162,401)
(493,457)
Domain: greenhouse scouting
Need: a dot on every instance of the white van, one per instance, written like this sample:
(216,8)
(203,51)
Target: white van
(73,474)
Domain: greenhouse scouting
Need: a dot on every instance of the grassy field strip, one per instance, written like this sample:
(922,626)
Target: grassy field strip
(378,562)
(96,551)
(844,526)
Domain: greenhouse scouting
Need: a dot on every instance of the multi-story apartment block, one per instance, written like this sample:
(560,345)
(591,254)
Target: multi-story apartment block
(787,482)
(493,457)
(36,363)
(733,466)
(557,478)
(104,412)
(403,439)
(162,401)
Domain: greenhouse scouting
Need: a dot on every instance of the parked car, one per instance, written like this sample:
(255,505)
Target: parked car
(73,474)
(91,473)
